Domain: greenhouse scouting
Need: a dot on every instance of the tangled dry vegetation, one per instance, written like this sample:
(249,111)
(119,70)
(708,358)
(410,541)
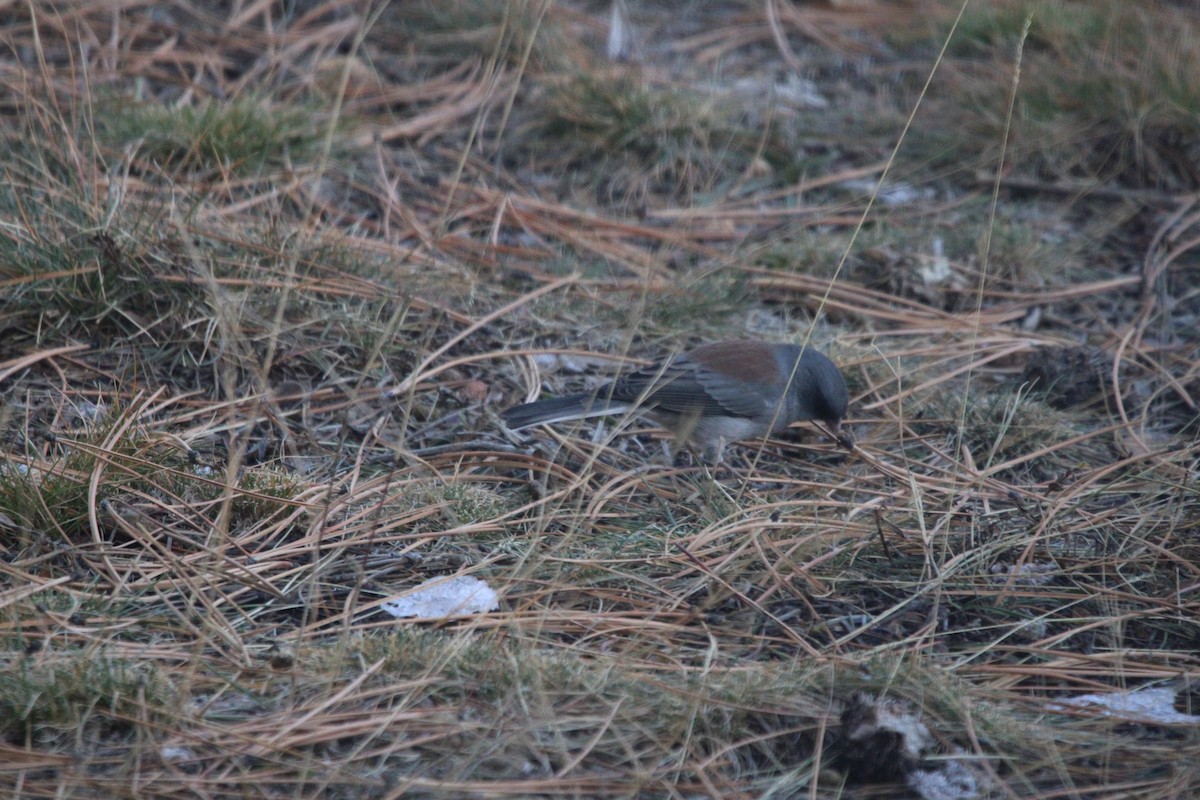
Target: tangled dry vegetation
(270,270)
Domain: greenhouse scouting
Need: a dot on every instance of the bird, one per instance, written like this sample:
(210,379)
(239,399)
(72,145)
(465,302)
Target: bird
(713,394)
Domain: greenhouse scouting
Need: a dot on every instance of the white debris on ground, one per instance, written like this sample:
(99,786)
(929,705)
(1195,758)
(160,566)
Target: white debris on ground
(1144,705)
(444,597)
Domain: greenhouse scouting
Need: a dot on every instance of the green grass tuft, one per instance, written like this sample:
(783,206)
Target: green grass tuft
(242,138)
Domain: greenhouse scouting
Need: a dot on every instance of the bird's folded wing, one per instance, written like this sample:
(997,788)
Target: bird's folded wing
(682,388)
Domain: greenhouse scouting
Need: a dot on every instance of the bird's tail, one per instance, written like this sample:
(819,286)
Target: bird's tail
(561,409)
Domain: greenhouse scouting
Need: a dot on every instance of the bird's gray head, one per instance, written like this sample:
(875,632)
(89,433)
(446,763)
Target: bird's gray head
(817,390)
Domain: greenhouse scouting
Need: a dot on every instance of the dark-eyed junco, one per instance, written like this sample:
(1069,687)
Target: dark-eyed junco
(716,393)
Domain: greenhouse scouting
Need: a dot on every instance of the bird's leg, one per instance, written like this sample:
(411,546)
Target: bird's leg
(715,451)
(668,453)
